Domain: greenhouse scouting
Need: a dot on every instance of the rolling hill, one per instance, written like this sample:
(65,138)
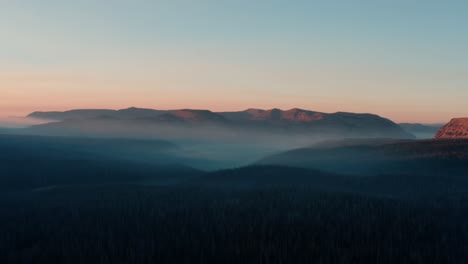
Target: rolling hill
(363,157)
(28,162)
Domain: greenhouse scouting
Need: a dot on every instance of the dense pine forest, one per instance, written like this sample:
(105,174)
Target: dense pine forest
(138,224)
(81,201)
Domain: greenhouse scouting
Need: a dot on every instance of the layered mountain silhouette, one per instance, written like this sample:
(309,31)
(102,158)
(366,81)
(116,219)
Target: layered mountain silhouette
(422,131)
(131,112)
(207,124)
(456,128)
(275,115)
(374,157)
(29,162)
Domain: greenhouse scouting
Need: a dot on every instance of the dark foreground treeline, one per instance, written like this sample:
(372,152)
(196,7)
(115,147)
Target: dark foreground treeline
(68,200)
(148,224)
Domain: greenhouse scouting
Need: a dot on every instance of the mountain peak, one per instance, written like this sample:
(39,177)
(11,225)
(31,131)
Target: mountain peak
(291,115)
(456,128)
(300,115)
(136,109)
(197,115)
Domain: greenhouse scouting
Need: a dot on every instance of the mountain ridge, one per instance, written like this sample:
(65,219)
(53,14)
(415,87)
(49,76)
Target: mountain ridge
(291,122)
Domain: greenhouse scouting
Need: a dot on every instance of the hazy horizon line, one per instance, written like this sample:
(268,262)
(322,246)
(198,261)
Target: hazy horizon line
(25,114)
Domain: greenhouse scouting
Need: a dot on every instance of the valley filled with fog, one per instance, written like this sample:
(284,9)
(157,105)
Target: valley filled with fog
(268,186)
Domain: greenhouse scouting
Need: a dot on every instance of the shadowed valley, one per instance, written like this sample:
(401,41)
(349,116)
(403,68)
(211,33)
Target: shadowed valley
(209,185)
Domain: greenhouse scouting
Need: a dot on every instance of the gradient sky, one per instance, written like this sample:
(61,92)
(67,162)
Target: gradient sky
(404,59)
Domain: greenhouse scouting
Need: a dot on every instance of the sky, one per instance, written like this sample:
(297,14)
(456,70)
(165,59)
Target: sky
(406,60)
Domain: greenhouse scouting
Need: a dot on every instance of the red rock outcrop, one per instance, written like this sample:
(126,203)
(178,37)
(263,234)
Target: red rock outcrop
(456,128)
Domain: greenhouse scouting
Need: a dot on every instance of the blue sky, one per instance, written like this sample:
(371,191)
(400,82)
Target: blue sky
(406,60)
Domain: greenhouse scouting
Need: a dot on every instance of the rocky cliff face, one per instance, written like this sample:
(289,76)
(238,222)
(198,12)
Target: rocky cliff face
(456,128)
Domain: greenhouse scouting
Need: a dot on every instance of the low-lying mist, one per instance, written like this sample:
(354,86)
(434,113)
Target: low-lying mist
(202,146)
(20,122)
(200,153)
(204,140)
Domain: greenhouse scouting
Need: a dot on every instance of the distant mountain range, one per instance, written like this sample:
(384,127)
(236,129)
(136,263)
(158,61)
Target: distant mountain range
(421,131)
(189,123)
(456,128)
